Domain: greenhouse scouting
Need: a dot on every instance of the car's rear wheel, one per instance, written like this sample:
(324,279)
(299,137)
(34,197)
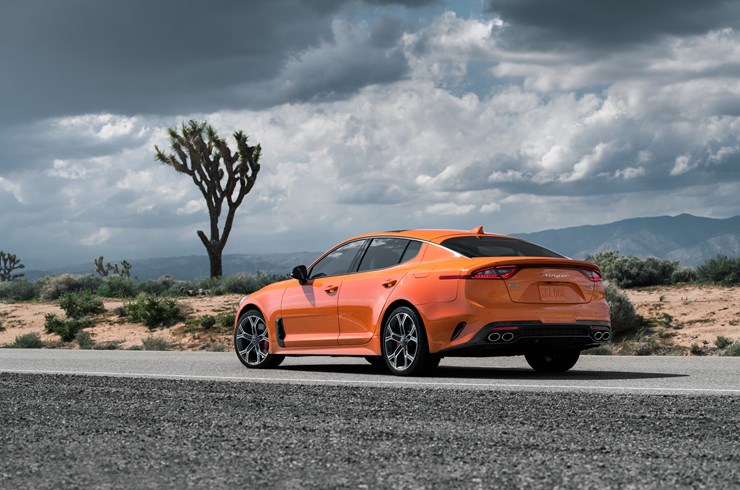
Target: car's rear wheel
(553,362)
(404,344)
(252,342)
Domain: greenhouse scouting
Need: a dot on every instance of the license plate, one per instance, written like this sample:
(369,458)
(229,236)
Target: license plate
(552,293)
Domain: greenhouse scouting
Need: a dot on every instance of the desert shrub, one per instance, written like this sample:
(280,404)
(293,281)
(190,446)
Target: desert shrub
(117,287)
(684,274)
(722,269)
(2,328)
(52,287)
(164,286)
(84,340)
(66,329)
(110,345)
(733,350)
(225,321)
(630,271)
(697,350)
(207,322)
(248,283)
(721,342)
(622,313)
(19,290)
(213,347)
(27,341)
(84,303)
(156,343)
(154,312)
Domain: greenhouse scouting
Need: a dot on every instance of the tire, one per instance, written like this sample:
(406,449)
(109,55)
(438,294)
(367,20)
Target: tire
(404,344)
(553,362)
(252,342)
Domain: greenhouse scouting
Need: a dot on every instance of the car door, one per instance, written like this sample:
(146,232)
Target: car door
(365,293)
(309,311)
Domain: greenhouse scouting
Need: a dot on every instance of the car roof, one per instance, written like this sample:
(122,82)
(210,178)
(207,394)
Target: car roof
(435,236)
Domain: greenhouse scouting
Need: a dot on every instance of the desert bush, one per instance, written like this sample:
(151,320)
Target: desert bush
(2,328)
(697,350)
(66,329)
(19,290)
(52,287)
(622,313)
(721,342)
(117,287)
(207,322)
(213,347)
(684,274)
(156,343)
(78,305)
(733,350)
(110,345)
(721,269)
(27,341)
(154,312)
(225,321)
(164,286)
(630,271)
(84,340)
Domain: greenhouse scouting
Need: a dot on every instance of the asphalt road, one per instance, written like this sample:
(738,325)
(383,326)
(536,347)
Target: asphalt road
(607,374)
(173,420)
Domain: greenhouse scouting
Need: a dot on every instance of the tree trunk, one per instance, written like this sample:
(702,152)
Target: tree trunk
(214,257)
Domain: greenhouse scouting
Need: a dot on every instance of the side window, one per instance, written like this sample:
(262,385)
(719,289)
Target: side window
(385,252)
(411,251)
(339,261)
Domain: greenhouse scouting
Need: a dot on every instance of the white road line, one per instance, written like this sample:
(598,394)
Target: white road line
(381,382)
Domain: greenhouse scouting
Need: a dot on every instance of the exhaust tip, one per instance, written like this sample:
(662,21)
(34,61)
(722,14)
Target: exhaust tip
(598,335)
(606,336)
(507,337)
(494,337)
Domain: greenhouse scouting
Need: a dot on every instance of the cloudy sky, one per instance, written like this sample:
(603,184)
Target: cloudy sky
(519,115)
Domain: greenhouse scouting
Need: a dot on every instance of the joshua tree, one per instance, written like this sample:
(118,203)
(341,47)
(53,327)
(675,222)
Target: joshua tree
(104,270)
(219,174)
(9,263)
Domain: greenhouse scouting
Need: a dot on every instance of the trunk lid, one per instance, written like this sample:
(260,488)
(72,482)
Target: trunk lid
(539,280)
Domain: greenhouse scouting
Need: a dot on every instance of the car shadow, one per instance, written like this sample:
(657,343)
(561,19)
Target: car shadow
(486,373)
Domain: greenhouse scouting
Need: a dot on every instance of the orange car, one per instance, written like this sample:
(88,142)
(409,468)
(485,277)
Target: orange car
(405,299)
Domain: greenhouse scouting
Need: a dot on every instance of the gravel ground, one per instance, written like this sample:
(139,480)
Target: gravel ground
(59,431)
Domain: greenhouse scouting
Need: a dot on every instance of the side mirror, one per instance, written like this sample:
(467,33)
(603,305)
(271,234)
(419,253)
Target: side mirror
(300,273)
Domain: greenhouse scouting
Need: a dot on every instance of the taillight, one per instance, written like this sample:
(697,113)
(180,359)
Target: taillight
(591,274)
(498,272)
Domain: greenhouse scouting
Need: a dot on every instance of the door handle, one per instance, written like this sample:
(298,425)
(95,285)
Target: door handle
(389,283)
(331,289)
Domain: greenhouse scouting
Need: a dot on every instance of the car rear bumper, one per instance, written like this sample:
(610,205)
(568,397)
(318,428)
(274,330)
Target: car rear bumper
(518,338)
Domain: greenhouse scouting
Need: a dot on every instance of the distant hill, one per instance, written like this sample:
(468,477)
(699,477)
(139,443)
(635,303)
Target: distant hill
(688,239)
(196,266)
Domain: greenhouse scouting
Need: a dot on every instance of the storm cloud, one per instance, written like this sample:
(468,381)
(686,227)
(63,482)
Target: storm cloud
(372,115)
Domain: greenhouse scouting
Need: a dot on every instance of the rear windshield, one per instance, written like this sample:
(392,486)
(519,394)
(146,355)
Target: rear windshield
(492,246)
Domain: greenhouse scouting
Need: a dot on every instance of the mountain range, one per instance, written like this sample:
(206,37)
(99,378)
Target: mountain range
(688,239)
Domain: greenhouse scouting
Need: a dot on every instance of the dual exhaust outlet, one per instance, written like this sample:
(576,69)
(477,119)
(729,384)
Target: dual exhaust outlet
(601,335)
(496,337)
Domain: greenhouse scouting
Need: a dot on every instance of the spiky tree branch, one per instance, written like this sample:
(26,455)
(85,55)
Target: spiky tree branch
(221,176)
(8,264)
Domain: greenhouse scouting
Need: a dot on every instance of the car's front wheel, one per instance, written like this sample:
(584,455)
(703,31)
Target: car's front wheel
(404,344)
(553,362)
(252,342)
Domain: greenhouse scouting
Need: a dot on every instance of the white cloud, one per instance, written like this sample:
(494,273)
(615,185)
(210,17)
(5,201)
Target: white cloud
(12,188)
(98,237)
